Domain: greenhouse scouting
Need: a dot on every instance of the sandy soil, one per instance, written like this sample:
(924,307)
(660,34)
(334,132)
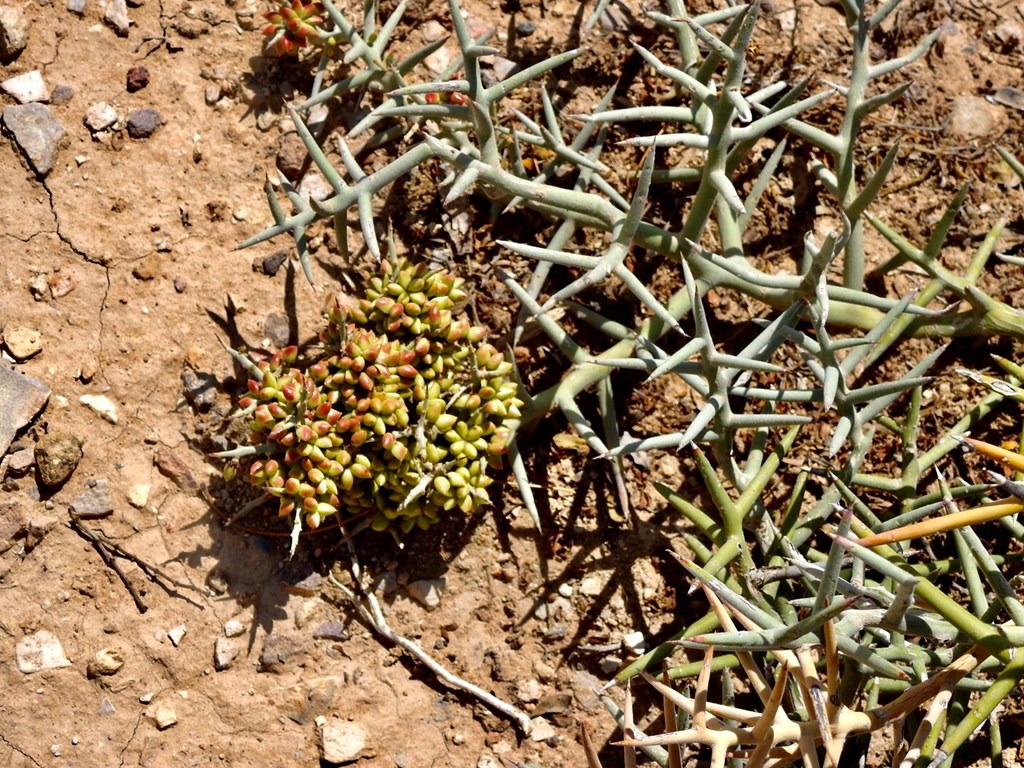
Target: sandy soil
(134,240)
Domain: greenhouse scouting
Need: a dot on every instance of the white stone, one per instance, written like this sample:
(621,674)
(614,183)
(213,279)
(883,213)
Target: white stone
(591,586)
(341,741)
(176,634)
(27,88)
(427,591)
(541,730)
(634,641)
(102,405)
(233,628)
(38,652)
(100,116)
(314,187)
(117,17)
(138,495)
(162,715)
(225,652)
(529,691)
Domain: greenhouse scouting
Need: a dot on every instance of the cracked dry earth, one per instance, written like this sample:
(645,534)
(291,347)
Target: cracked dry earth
(185,643)
(119,261)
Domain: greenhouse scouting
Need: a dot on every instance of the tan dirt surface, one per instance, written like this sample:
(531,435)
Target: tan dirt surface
(122,259)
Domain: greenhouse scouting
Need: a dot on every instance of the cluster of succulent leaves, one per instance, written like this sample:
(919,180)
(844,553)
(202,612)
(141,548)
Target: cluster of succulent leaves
(763,563)
(293,26)
(398,423)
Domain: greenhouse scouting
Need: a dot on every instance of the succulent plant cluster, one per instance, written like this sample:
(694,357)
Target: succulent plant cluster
(399,422)
(293,26)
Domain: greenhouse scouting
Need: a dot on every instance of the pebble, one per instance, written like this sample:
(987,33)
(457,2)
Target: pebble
(15,26)
(298,577)
(62,94)
(94,502)
(21,398)
(331,630)
(38,286)
(634,641)
(138,495)
(76,6)
(60,285)
(315,187)
(117,17)
(180,284)
(162,715)
(102,405)
(57,455)
(201,388)
(37,132)
(149,267)
(341,741)
(278,329)
(427,591)
(177,634)
(291,155)
(233,628)
(248,16)
(503,67)
(528,691)
(39,652)
(270,264)
(277,650)
(107,661)
(100,116)
(541,730)
(971,117)
(137,79)
(304,613)
(27,88)
(432,30)
(106,708)
(22,342)
(20,462)
(142,123)
(525,28)
(591,586)
(217,582)
(225,652)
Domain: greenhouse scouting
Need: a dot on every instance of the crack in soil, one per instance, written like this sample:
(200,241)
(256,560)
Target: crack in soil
(19,750)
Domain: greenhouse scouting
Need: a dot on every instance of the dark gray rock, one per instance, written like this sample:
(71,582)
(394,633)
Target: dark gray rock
(331,630)
(57,456)
(142,123)
(525,28)
(61,94)
(269,265)
(298,577)
(94,502)
(37,132)
(277,651)
(200,388)
(278,329)
(21,398)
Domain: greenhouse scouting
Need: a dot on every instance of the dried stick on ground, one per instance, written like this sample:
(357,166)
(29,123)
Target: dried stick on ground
(369,609)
